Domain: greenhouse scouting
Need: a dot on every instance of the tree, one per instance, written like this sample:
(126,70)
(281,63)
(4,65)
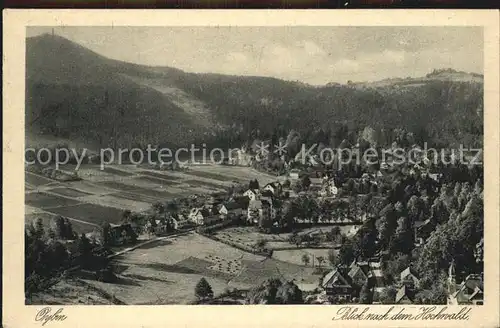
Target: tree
(106,234)
(286,184)
(393,267)
(333,234)
(265,222)
(415,208)
(172,207)
(84,249)
(203,290)
(346,253)
(287,218)
(320,259)
(38,228)
(438,293)
(159,207)
(366,294)
(62,228)
(349,187)
(69,233)
(333,257)
(58,226)
(52,234)
(127,213)
(56,255)
(265,293)
(289,293)
(295,239)
(306,182)
(260,244)
(305,259)
(388,295)
(254,184)
(364,242)
(404,236)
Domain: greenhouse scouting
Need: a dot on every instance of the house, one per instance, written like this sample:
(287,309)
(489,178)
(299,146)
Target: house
(294,174)
(233,208)
(313,160)
(241,200)
(161,227)
(270,203)
(329,189)
(469,292)
(254,211)
(409,278)
(404,295)
(179,221)
(338,286)
(199,215)
(366,176)
(274,187)
(268,207)
(423,229)
(384,166)
(252,194)
(323,192)
(373,272)
(353,231)
(121,233)
(316,181)
(357,274)
(211,219)
(435,176)
(333,190)
(267,194)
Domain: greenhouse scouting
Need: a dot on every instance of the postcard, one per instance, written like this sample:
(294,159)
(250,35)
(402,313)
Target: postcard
(247,168)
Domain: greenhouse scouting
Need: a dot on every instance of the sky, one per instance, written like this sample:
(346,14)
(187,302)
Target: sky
(314,55)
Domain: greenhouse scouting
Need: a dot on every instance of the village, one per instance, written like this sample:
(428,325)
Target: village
(345,218)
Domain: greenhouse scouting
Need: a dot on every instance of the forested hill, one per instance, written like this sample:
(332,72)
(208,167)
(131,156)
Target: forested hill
(76,94)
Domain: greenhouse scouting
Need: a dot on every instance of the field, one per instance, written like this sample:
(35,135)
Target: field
(162,181)
(208,175)
(159,175)
(295,256)
(167,271)
(69,192)
(36,180)
(91,213)
(78,226)
(102,195)
(45,201)
(164,271)
(247,236)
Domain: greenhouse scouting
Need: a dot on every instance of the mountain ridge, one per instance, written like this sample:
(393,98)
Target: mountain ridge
(74,93)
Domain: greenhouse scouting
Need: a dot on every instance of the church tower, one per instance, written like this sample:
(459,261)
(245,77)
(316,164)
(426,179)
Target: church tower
(452,284)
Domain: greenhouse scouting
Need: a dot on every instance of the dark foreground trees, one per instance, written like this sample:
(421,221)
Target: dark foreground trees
(203,290)
(274,291)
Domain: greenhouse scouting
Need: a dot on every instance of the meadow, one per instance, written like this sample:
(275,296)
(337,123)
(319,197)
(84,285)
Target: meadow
(167,271)
(103,195)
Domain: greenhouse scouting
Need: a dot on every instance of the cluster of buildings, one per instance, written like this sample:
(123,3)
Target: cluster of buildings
(342,285)
(470,291)
(251,205)
(262,203)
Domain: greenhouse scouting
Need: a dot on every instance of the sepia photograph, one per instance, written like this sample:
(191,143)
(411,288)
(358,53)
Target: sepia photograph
(339,166)
(277,165)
